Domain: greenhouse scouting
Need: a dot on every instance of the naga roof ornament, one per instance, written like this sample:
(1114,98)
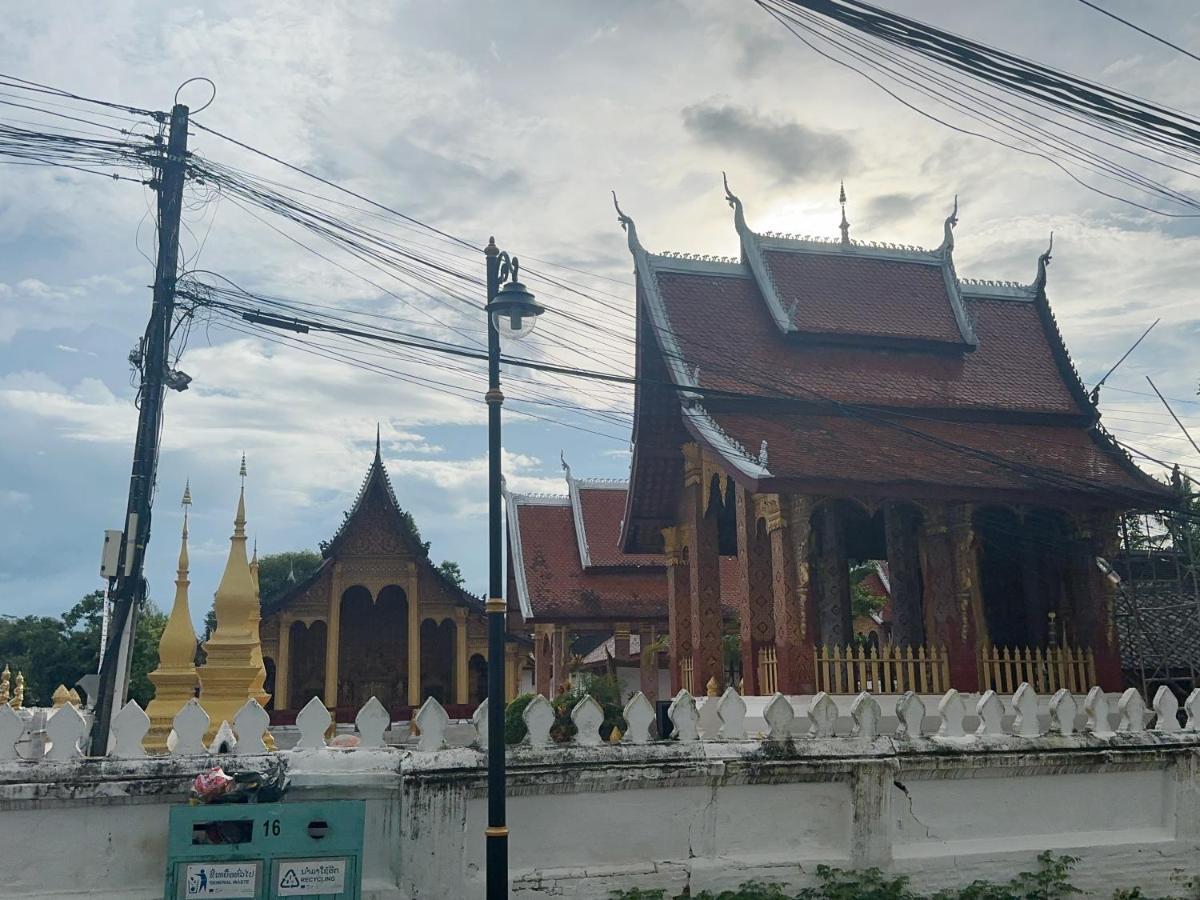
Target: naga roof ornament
(1039,283)
(951,220)
(739,215)
(627,226)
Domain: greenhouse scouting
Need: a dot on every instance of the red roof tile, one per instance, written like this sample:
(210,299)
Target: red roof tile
(602,510)
(835,294)
(558,586)
(1013,369)
(850,450)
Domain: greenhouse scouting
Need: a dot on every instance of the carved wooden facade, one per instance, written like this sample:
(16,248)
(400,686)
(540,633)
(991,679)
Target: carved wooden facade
(377,618)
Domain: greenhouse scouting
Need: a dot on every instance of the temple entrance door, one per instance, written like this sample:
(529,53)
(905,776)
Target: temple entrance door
(437,660)
(477,678)
(373,647)
(307,651)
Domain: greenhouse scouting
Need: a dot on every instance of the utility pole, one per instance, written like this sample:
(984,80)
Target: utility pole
(128,586)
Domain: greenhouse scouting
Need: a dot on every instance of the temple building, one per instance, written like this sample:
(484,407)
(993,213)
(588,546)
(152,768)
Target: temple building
(378,618)
(811,404)
(569,580)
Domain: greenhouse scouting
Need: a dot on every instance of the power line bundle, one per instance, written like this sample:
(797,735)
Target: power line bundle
(1118,145)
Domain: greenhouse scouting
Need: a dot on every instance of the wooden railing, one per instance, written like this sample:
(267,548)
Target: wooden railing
(685,673)
(768,670)
(885,670)
(1003,669)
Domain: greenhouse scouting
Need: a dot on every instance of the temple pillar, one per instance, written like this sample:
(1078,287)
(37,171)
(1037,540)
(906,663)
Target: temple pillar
(621,642)
(648,663)
(790,536)
(1092,624)
(704,569)
(512,665)
(833,579)
(542,655)
(952,604)
(679,603)
(461,695)
(1037,607)
(414,649)
(757,624)
(904,570)
(283,662)
(559,674)
(333,629)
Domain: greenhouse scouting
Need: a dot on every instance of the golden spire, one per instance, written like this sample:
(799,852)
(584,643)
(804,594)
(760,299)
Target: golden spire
(18,699)
(175,678)
(230,668)
(5,676)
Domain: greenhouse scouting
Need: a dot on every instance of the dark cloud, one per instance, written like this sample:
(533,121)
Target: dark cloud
(789,150)
(892,207)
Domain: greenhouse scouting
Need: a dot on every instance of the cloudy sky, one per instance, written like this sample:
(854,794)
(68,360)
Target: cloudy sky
(516,119)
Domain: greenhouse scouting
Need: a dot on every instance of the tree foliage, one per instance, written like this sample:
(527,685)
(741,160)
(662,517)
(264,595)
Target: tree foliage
(52,651)
(275,570)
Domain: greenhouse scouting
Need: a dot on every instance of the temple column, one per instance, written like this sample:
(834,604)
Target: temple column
(332,634)
(833,579)
(461,695)
(1092,624)
(952,605)
(704,569)
(790,536)
(512,664)
(414,648)
(904,571)
(1037,609)
(679,603)
(757,624)
(558,671)
(541,660)
(648,663)
(621,642)
(283,662)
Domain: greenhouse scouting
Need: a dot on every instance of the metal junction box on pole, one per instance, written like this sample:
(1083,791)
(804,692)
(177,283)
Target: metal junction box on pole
(261,851)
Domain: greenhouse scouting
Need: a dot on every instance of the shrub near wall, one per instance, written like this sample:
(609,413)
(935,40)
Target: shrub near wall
(1051,881)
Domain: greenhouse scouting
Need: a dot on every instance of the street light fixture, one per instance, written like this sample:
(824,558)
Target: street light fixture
(512,313)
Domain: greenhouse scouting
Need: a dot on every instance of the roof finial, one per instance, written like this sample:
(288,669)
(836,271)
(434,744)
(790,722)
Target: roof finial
(239,521)
(627,226)
(1039,283)
(845,226)
(562,458)
(377,440)
(739,214)
(951,220)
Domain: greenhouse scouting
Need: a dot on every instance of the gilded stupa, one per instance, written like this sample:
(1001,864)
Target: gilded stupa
(228,675)
(175,678)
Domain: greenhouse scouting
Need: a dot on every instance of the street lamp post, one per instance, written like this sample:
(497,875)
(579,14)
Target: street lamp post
(511,312)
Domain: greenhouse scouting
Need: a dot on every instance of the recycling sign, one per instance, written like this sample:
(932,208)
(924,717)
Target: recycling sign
(310,877)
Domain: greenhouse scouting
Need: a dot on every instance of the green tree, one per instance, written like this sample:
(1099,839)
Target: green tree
(275,570)
(52,651)
(451,570)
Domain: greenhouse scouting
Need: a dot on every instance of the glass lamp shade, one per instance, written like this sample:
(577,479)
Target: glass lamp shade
(514,311)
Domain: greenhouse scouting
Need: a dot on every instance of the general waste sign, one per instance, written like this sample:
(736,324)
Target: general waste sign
(229,880)
(310,877)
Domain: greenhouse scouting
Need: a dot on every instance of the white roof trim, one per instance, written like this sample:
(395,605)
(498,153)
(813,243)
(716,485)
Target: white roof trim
(603,484)
(585,558)
(997,290)
(727,266)
(729,449)
(511,503)
(883,577)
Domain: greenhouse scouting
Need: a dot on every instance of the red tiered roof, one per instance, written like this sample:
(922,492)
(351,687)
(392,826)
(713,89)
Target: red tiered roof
(842,367)
(563,574)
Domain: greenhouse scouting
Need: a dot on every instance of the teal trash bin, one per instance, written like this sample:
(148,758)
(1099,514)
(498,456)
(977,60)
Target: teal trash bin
(260,851)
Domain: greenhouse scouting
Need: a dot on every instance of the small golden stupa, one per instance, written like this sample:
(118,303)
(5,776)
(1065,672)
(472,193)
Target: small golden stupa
(228,675)
(175,678)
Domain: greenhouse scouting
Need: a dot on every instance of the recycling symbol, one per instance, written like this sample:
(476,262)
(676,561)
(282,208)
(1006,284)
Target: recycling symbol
(290,880)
